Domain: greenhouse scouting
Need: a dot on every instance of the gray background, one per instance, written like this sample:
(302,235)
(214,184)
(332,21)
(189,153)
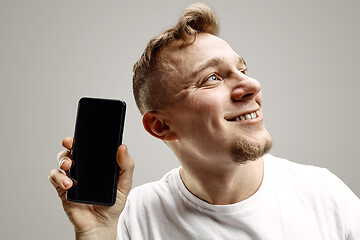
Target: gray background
(305,54)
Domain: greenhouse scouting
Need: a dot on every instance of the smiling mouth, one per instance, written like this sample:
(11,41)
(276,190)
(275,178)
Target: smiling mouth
(247,116)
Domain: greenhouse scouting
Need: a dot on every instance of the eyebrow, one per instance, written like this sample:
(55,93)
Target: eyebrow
(212,63)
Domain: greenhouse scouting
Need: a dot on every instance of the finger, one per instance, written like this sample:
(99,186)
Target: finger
(126,165)
(64,160)
(68,142)
(65,154)
(60,181)
(65,164)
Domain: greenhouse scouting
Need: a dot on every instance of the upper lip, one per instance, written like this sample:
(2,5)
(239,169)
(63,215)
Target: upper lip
(238,115)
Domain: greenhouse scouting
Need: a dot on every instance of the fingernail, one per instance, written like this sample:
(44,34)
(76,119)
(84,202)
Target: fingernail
(66,183)
(126,149)
(63,160)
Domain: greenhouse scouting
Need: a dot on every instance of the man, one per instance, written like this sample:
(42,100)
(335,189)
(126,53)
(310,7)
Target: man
(194,93)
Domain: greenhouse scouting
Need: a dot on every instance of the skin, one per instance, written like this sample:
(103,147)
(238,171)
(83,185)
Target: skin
(93,221)
(196,127)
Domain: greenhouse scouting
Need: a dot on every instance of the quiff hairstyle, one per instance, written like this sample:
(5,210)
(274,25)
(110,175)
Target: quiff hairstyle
(152,73)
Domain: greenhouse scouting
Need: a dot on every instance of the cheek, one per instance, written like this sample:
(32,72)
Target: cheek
(207,103)
(201,114)
(208,112)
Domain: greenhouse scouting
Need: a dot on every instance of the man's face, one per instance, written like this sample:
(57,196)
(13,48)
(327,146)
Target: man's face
(217,112)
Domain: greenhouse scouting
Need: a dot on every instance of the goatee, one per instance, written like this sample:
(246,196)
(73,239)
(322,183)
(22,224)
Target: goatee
(245,150)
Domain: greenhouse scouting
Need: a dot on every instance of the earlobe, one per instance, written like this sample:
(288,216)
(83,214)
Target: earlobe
(157,127)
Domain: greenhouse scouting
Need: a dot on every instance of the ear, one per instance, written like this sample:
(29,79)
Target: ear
(156,126)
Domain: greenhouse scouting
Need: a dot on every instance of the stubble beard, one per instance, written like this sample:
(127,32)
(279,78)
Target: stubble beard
(244,150)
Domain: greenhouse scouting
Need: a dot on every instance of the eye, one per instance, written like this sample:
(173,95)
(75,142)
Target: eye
(213,77)
(211,80)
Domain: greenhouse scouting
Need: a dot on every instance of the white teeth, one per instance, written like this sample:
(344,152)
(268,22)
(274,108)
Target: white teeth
(247,116)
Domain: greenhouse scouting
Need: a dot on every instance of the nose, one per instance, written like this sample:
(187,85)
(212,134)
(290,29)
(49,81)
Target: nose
(245,88)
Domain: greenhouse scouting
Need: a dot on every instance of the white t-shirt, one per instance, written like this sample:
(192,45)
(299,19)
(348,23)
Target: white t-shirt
(294,202)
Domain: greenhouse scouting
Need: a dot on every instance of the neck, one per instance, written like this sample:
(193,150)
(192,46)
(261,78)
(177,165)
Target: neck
(224,186)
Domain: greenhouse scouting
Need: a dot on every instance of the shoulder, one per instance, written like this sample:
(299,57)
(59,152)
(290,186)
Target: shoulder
(146,204)
(292,170)
(318,191)
(314,180)
(152,193)
(152,201)
(301,179)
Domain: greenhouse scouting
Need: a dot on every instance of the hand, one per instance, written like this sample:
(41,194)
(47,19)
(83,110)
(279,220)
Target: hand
(91,220)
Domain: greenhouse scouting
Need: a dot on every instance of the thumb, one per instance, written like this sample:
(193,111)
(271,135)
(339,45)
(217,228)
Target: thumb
(126,165)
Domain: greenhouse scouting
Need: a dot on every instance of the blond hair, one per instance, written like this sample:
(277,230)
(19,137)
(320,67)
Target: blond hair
(152,73)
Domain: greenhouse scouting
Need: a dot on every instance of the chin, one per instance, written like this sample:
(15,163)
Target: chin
(246,149)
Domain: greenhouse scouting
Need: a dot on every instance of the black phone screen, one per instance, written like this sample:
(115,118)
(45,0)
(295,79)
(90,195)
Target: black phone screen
(98,134)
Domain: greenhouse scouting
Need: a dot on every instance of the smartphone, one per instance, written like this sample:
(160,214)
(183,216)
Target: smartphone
(98,134)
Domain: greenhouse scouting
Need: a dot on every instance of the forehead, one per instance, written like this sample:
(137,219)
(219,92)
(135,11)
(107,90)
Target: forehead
(205,50)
